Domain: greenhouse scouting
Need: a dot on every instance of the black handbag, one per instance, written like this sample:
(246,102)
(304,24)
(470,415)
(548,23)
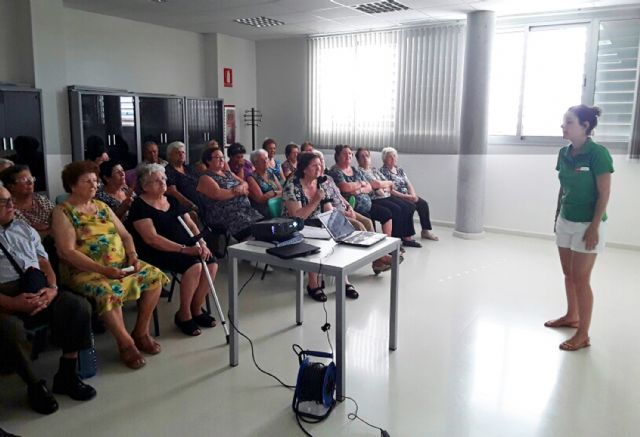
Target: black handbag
(32,280)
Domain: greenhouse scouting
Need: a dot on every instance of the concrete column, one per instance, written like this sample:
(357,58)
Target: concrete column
(474,125)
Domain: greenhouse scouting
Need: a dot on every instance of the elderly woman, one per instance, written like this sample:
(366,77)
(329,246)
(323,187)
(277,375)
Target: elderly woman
(114,191)
(275,166)
(352,182)
(237,164)
(224,197)
(162,241)
(305,199)
(357,220)
(306,147)
(97,254)
(291,154)
(182,178)
(263,184)
(30,206)
(403,189)
(200,166)
(402,212)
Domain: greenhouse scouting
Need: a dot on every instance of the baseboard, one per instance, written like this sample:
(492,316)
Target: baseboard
(529,234)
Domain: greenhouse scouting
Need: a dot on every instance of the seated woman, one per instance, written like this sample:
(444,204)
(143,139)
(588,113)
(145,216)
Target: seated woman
(304,199)
(182,178)
(403,189)
(114,191)
(263,184)
(402,212)
(95,248)
(200,167)
(237,164)
(162,241)
(306,147)
(289,165)
(30,206)
(275,167)
(352,182)
(223,195)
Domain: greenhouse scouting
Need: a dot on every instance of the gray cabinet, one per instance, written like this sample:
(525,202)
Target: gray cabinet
(21,138)
(162,120)
(204,123)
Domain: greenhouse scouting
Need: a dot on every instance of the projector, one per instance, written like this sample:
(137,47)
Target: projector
(277,229)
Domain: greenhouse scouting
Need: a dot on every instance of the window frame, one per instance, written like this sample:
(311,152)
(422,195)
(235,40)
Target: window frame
(590,67)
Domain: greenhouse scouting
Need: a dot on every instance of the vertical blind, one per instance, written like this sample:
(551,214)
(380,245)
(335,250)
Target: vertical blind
(399,88)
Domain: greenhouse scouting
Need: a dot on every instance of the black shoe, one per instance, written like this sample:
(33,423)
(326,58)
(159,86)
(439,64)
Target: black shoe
(40,398)
(73,387)
(350,291)
(317,294)
(411,243)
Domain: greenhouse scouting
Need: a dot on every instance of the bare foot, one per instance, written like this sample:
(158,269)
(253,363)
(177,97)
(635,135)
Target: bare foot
(562,322)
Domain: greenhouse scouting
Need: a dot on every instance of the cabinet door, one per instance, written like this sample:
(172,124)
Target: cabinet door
(22,117)
(197,128)
(121,127)
(152,116)
(93,118)
(174,128)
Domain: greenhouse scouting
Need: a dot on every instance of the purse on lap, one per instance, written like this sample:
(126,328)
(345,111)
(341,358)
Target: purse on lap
(31,280)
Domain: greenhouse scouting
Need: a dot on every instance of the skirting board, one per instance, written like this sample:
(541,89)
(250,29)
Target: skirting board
(498,230)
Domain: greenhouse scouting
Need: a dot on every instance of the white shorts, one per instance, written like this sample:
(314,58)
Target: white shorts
(569,235)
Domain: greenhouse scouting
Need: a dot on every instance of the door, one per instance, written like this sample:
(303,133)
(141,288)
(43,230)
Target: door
(162,121)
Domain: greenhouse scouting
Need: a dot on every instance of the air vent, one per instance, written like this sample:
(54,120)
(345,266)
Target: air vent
(259,22)
(381,7)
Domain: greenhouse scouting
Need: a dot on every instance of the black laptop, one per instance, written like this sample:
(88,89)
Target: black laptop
(342,231)
(293,250)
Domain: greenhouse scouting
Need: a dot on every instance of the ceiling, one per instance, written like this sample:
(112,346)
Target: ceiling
(311,17)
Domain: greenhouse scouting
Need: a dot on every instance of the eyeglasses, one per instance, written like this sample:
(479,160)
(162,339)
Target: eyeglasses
(26,180)
(5,202)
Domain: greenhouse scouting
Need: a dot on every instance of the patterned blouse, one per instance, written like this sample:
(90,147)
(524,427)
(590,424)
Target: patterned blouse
(373,174)
(113,203)
(265,185)
(400,179)
(363,200)
(40,211)
(286,165)
(293,191)
(333,192)
(275,170)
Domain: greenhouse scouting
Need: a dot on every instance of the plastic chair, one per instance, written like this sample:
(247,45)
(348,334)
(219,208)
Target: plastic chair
(60,198)
(352,201)
(275,207)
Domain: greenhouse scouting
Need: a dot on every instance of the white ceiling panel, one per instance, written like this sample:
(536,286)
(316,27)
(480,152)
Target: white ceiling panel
(313,16)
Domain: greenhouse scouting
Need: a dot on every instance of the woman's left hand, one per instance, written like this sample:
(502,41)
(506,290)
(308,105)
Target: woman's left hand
(133,261)
(205,253)
(591,237)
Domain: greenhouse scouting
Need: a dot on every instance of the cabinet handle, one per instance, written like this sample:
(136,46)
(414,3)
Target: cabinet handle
(10,143)
(4,143)
(108,140)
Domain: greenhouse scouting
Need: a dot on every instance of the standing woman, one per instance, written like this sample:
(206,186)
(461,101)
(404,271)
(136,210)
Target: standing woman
(584,169)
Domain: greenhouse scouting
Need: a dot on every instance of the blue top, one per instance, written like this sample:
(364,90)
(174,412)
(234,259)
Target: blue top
(23,243)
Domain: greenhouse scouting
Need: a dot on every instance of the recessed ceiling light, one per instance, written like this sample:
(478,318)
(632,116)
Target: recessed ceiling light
(159,1)
(259,22)
(381,7)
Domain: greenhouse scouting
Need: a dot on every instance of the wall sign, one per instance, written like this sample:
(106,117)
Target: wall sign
(228,77)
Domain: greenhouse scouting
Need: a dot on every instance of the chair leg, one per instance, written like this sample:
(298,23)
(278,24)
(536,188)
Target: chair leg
(173,285)
(207,303)
(156,323)
(264,272)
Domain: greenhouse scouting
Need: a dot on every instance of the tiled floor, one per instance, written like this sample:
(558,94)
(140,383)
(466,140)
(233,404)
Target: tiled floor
(473,357)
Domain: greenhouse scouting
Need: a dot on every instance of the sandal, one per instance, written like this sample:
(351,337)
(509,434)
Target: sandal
(351,292)
(317,294)
(380,266)
(411,243)
(147,344)
(561,323)
(188,327)
(568,346)
(205,320)
(132,358)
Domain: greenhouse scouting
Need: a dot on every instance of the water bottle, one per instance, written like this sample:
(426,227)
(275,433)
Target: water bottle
(87,361)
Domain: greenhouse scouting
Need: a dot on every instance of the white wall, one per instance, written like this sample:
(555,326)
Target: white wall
(282,89)
(117,53)
(239,55)
(16,53)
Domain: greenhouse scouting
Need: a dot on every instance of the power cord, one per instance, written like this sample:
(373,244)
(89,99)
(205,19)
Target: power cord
(325,328)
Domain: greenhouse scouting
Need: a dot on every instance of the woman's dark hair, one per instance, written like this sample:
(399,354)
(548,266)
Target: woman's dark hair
(8,175)
(268,141)
(106,168)
(360,151)
(304,146)
(304,159)
(95,148)
(338,149)
(72,172)
(587,114)
(207,154)
(235,149)
(289,149)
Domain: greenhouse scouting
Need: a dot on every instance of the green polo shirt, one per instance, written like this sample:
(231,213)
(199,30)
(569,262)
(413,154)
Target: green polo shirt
(578,175)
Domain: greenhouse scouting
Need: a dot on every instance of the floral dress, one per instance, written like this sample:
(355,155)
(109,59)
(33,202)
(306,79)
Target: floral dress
(97,238)
(293,191)
(235,214)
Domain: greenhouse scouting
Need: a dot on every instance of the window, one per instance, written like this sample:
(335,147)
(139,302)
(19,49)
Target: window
(536,75)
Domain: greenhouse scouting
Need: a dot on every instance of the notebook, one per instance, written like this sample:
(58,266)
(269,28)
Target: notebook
(293,250)
(342,231)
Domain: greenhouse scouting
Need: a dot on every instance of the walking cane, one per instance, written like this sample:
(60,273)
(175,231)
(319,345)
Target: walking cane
(211,287)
